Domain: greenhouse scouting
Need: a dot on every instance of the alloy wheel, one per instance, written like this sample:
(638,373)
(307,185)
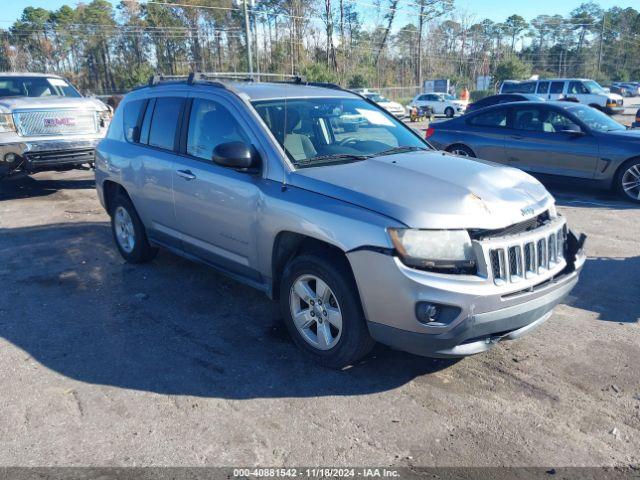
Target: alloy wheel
(631,181)
(315,312)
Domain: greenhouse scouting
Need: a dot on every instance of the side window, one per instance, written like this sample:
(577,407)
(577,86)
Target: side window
(164,122)
(544,120)
(558,122)
(556,87)
(543,87)
(577,88)
(132,118)
(494,118)
(211,124)
(527,87)
(529,119)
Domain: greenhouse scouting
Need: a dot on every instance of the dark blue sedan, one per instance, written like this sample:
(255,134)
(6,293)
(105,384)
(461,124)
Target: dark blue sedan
(557,139)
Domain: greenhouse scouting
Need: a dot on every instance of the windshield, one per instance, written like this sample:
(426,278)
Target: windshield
(594,87)
(320,131)
(36,87)
(595,119)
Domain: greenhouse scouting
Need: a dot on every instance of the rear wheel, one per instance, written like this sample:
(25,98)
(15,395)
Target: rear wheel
(322,310)
(627,180)
(449,113)
(129,232)
(461,151)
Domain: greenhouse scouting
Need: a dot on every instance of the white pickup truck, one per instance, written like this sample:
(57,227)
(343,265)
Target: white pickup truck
(46,124)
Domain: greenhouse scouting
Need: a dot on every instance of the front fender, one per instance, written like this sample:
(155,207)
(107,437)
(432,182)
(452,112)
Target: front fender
(341,224)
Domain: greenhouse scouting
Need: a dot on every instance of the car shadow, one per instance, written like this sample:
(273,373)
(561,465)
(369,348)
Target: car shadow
(24,186)
(170,326)
(609,287)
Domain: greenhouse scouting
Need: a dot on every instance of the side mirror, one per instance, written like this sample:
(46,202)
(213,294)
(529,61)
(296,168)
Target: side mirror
(234,155)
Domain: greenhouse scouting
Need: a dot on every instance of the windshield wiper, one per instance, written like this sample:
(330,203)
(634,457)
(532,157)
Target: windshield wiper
(394,150)
(323,159)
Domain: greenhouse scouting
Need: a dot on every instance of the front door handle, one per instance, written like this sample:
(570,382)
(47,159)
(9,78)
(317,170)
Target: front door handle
(517,137)
(186,174)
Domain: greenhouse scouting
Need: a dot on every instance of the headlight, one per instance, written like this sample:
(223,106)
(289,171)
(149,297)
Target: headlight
(443,250)
(6,123)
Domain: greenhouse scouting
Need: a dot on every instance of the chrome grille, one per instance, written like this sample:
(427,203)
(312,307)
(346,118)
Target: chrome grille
(56,122)
(528,255)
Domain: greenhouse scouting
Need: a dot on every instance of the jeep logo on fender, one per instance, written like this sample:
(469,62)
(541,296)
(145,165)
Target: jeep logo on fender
(60,122)
(527,211)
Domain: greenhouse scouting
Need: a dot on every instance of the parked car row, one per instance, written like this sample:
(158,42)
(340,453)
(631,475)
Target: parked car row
(626,89)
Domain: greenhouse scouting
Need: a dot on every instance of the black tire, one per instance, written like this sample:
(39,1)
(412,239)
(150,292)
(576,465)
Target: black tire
(354,341)
(617,181)
(449,113)
(142,250)
(461,150)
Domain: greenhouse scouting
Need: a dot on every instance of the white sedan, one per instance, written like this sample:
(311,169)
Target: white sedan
(440,103)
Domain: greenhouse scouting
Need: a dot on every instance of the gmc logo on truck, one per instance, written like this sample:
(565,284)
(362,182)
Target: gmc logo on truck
(59,122)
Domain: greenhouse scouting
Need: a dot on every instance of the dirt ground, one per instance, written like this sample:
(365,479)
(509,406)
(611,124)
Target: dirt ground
(105,363)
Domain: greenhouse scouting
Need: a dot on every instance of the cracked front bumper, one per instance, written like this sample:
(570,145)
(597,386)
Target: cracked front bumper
(487,313)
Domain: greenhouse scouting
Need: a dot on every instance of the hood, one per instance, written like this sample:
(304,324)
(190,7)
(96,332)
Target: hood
(614,96)
(432,190)
(9,104)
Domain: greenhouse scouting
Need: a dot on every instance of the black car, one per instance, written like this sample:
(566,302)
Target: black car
(502,98)
(559,139)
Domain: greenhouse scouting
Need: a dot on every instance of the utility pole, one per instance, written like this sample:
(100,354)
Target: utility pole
(604,15)
(249,39)
(255,36)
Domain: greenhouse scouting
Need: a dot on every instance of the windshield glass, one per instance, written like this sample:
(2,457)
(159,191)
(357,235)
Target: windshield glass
(36,87)
(594,87)
(315,131)
(595,119)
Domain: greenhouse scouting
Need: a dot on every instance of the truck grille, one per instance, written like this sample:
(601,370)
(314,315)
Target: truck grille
(56,122)
(527,255)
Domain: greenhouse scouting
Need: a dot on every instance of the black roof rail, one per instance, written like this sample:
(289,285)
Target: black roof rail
(217,79)
(333,86)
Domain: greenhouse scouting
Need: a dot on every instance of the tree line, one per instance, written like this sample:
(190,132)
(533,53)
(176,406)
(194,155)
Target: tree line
(106,48)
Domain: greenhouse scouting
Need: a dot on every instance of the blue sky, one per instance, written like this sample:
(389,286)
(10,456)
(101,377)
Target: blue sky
(496,10)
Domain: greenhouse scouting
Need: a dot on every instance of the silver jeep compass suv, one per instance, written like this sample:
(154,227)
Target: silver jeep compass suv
(331,205)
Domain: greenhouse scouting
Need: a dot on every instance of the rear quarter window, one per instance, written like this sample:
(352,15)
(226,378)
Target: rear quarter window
(132,118)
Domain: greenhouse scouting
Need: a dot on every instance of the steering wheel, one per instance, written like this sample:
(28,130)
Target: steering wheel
(348,141)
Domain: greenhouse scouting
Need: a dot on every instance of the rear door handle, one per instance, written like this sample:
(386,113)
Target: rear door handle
(516,137)
(186,174)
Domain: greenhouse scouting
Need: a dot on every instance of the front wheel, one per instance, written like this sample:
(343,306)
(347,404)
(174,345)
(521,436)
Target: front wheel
(627,180)
(322,310)
(449,113)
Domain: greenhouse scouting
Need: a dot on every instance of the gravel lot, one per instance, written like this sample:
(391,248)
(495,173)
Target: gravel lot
(104,363)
